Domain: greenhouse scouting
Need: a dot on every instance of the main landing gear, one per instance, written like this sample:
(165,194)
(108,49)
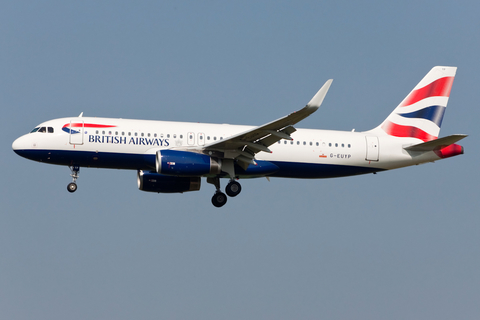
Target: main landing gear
(219,199)
(72,186)
(233,188)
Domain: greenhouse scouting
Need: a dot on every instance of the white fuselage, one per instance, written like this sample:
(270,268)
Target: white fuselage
(132,144)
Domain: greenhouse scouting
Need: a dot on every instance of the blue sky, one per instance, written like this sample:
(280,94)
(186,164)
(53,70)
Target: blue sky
(396,245)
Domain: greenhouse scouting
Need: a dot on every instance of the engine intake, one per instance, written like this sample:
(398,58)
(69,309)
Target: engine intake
(153,182)
(185,163)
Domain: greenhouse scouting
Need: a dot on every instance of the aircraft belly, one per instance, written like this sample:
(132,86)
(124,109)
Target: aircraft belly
(321,162)
(317,170)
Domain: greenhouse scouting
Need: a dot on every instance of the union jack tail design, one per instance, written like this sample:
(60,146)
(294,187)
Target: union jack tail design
(420,114)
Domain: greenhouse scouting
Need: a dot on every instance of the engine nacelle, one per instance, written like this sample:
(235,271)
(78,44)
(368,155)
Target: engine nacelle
(153,182)
(185,163)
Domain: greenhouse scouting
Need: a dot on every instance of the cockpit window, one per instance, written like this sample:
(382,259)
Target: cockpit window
(43,130)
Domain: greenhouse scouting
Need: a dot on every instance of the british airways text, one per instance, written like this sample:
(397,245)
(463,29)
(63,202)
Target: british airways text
(131,140)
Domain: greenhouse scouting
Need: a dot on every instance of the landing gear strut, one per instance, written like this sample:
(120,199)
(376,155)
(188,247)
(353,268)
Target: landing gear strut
(219,199)
(72,186)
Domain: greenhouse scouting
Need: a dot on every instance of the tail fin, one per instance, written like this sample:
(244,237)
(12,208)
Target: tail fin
(420,114)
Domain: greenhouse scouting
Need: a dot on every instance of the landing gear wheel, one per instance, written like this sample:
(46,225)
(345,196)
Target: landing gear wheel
(233,188)
(72,187)
(219,199)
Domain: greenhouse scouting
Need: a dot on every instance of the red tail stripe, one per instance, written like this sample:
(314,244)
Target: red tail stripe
(438,88)
(397,130)
(450,151)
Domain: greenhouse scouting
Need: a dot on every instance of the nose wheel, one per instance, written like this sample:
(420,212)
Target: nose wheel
(72,186)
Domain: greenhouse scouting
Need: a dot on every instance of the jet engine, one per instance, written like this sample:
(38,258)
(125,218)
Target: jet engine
(185,163)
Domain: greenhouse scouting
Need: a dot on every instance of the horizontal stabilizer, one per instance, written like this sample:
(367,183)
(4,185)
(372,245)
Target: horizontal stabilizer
(437,143)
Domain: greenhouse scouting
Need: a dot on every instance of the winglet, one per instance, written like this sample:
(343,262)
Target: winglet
(320,95)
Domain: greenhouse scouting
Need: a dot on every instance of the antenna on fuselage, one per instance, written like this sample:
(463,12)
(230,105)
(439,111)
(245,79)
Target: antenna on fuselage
(81,115)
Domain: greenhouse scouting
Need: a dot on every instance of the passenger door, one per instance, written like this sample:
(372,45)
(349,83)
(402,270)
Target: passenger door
(372,148)
(76,132)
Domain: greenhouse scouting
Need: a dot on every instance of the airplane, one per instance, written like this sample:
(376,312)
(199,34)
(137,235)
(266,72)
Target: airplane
(173,157)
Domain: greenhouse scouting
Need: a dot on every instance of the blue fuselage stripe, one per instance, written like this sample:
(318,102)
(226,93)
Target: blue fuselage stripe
(147,162)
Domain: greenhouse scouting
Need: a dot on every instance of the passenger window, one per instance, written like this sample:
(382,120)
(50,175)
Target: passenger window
(349,145)
(181,136)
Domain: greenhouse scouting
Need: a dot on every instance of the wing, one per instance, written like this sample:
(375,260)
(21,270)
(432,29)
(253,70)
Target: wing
(243,146)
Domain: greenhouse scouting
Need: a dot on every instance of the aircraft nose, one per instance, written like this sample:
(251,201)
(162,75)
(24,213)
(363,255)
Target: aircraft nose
(16,144)
(19,145)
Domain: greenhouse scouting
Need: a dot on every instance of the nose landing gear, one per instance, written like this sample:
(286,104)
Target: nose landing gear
(72,186)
